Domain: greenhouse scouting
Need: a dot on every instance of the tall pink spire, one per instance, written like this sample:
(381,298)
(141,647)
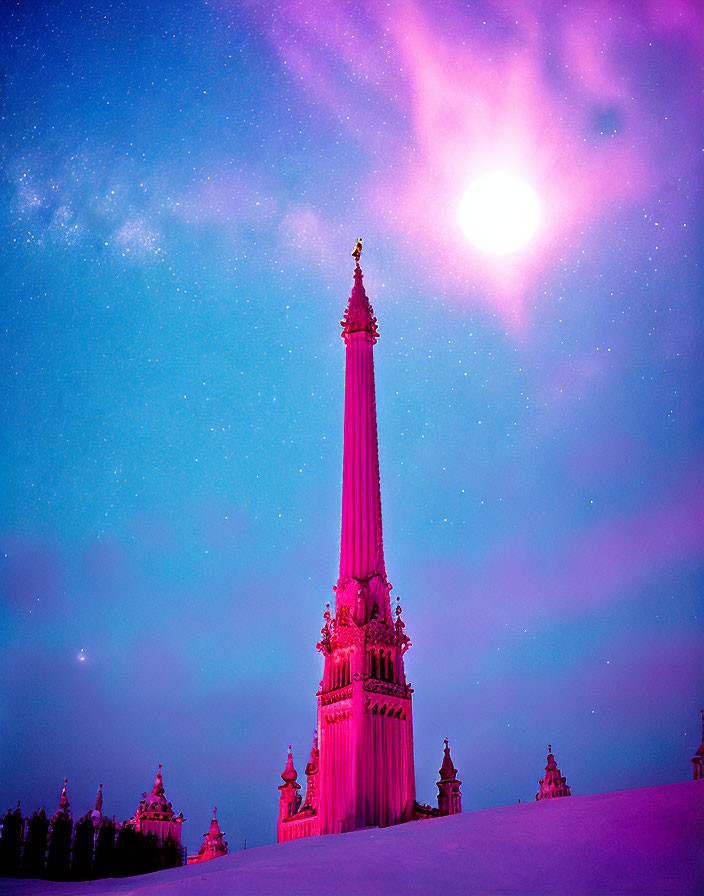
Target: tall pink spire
(362,589)
(361,772)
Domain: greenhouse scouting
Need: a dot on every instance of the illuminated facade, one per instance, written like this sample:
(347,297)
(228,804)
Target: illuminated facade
(155,815)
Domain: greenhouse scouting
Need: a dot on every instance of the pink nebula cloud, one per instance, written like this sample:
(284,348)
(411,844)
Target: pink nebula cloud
(437,94)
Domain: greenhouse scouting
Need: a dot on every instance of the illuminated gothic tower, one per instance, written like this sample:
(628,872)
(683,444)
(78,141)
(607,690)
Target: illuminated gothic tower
(361,766)
(366,774)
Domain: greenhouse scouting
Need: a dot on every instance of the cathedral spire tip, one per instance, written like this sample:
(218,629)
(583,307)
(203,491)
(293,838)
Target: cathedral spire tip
(357,251)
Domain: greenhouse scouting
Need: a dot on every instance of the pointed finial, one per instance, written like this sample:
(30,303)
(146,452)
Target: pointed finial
(289,774)
(448,772)
(549,748)
(357,251)
(215,811)
(63,799)
(98,805)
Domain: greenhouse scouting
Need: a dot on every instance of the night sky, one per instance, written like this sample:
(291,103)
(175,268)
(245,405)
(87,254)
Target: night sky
(181,185)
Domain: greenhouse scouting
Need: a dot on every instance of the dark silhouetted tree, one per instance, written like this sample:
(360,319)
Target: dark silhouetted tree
(58,859)
(149,854)
(137,853)
(11,841)
(34,858)
(82,862)
(170,854)
(126,854)
(103,864)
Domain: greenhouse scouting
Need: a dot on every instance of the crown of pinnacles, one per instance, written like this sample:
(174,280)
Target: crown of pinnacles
(359,314)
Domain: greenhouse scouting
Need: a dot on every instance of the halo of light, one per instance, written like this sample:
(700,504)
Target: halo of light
(499,213)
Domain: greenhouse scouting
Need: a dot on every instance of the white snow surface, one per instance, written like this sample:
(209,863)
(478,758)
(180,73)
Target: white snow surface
(648,841)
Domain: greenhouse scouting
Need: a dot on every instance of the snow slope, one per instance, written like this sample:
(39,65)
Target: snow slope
(648,842)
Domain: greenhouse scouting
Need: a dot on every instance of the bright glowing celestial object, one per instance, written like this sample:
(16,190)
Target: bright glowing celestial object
(82,656)
(500,213)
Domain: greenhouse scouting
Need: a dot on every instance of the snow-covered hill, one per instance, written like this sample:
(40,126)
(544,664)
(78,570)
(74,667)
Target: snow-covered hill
(648,842)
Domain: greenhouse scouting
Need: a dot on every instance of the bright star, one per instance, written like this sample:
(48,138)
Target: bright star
(499,213)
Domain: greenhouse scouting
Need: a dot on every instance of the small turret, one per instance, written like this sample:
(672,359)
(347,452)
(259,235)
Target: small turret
(553,784)
(97,812)
(214,844)
(64,808)
(290,798)
(698,758)
(449,794)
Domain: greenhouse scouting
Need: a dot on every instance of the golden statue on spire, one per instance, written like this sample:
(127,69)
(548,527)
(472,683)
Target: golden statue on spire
(357,251)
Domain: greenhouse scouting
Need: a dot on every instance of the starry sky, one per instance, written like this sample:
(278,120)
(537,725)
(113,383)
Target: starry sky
(181,184)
